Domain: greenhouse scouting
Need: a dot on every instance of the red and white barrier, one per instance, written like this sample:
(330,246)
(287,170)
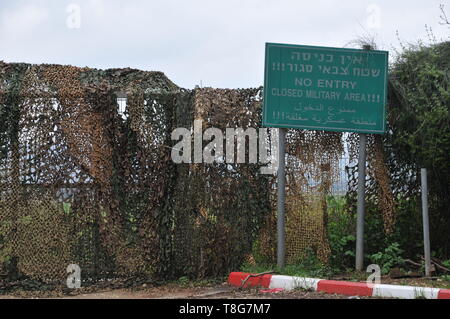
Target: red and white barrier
(337,287)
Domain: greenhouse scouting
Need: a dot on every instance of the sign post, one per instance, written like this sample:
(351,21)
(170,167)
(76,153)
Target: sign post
(281,199)
(361,203)
(323,88)
(426,228)
(360,210)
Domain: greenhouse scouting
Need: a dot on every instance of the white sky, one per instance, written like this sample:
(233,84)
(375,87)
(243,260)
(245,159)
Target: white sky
(215,43)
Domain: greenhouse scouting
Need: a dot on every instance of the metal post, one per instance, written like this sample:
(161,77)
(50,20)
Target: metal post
(361,202)
(281,176)
(426,229)
(361,195)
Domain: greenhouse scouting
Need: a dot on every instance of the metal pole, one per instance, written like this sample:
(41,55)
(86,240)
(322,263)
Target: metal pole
(281,176)
(426,229)
(361,192)
(361,202)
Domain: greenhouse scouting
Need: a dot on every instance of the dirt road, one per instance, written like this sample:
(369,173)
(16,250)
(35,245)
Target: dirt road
(173,291)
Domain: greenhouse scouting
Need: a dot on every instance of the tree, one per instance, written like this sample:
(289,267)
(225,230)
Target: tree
(419,128)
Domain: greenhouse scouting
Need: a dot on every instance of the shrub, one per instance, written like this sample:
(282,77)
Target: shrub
(389,258)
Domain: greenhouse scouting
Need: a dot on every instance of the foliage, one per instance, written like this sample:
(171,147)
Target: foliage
(419,132)
(389,258)
(183,281)
(341,228)
(408,228)
(257,268)
(309,266)
(446,263)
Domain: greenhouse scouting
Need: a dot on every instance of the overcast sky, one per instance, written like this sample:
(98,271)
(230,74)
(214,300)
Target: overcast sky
(208,42)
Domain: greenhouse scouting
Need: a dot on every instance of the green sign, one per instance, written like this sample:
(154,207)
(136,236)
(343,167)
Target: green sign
(320,88)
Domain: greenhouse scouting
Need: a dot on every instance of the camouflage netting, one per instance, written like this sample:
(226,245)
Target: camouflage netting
(378,179)
(82,182)
(78,183)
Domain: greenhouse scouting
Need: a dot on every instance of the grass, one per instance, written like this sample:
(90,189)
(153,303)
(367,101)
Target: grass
(297,270)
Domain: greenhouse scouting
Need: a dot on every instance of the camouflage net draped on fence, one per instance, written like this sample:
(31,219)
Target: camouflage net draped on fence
(83,182)
(378,179)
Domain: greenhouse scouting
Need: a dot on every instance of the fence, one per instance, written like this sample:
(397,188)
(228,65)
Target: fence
(86,178)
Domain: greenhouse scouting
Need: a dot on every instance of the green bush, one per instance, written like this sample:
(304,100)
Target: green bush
(341,229)
(389,258)
(418,135)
